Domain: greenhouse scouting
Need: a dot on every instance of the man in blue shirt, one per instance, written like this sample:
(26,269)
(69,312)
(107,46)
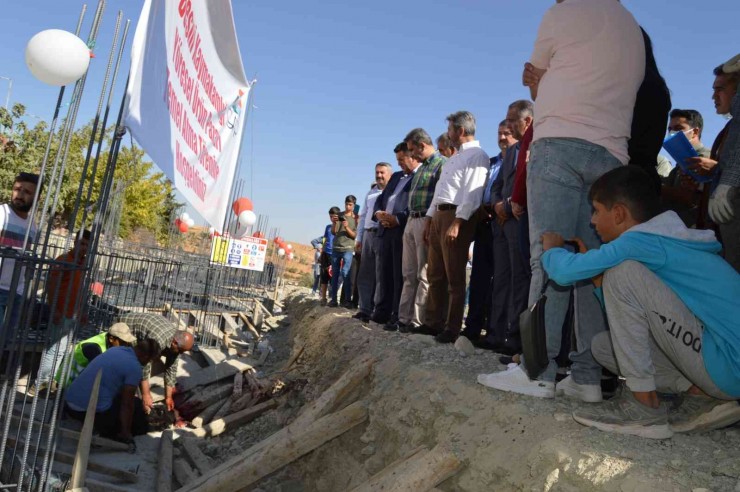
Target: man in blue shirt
(325,242)
(119,414)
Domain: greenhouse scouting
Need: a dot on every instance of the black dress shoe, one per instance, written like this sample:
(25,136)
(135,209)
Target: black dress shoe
(484,344)
(423,330)
(333,304)
(404,328)
(362,317)
(378,319)
(390,327)
(446,337)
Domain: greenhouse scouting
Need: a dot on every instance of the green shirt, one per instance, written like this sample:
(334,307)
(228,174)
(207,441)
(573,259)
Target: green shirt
(342,242)
(424,182)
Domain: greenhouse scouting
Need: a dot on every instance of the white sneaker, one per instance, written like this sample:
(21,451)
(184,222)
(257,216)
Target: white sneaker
(516,380)
(589,393)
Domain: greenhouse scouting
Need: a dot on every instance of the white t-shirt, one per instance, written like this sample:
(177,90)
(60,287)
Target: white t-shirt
(594,55)
(12,233)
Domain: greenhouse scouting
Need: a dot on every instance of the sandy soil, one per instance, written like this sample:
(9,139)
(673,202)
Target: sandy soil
(422,393)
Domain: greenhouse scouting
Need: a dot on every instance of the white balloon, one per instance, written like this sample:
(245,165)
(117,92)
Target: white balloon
(289,247)
(57,57)
(247,218)
(211,230)
(281,252)
(190,222)
(184,217)
(290,256)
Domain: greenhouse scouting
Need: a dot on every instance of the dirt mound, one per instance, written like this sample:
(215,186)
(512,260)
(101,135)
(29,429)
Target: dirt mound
(422,394)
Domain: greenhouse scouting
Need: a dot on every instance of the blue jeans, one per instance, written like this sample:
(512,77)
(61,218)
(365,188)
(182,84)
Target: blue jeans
(51,360)
(338,270)
(559,175)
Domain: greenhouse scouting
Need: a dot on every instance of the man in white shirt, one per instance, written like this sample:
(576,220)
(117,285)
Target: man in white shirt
(585,71)
(450,226)
(368,245)
(15,226)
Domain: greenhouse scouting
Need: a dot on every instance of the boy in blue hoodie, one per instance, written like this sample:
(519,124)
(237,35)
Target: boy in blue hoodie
(672,306)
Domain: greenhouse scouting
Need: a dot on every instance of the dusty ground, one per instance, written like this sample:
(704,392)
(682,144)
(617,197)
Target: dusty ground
(422,393)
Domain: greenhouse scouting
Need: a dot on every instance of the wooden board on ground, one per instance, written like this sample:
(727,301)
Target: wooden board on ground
(164,467)
(284,447)
(211,374)
(422,470)
(192,451)
(213,355)
(231,421)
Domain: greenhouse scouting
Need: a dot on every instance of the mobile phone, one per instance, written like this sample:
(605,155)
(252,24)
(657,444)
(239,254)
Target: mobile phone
(574,245)
(357,209)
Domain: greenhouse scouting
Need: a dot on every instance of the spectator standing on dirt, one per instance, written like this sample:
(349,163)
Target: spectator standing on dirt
(344,228)
(316,269)
(326,242)
(449,228)
(368,244)
(587,66)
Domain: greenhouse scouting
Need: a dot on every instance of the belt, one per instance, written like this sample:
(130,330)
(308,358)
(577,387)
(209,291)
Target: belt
(446,206)
(417,215)
(372,229)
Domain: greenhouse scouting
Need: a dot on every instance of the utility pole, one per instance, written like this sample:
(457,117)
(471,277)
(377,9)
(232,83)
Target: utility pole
(10,88)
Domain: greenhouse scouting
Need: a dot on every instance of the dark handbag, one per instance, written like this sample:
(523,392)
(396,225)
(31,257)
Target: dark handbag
(534,339)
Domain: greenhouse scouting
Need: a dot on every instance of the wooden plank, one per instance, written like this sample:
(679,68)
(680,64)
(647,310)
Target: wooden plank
(183,473)
(284,447)
(359,369)
(212,374)
(252,329)
(231,421)
(79,467)
(192,451)
(420,472)
(164,466)
(73,434)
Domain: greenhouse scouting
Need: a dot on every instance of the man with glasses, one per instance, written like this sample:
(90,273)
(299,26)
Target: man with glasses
(172,341)
(681,193)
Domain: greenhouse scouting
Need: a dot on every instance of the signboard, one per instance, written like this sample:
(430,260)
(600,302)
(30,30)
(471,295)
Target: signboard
(248,253)
(187,98)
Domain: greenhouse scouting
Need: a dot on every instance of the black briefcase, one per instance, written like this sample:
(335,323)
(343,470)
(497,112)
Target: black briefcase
(534,339)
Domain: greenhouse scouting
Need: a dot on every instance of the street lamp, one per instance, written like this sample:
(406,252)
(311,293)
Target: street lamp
(10,88)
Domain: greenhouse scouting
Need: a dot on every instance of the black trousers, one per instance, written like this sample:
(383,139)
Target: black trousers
(481,282)
(391,255)
(108,423)
(510,283)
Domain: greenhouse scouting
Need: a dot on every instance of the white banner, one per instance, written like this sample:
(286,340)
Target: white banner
(187,98)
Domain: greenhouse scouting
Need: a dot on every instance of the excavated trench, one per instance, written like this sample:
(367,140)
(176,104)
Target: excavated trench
(422,394)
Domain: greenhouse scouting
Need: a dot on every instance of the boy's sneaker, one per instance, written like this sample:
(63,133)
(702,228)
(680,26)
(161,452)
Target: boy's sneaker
(623,414)
(703,413)
(322,302)
(333,304)
(516,380)
(589,393)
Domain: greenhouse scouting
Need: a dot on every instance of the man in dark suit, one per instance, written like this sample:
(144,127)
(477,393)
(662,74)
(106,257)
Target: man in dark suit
(512,275)
(391,213)
(481,276)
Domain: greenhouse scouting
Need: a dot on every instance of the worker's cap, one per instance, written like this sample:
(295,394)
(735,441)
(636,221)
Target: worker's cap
(122,332)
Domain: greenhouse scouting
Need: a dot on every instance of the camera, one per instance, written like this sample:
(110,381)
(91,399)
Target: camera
(340,216)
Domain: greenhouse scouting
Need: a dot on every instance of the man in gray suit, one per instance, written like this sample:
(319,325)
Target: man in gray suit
(511,279)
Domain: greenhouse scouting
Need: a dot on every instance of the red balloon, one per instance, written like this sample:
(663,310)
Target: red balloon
(177,222)
(258,235)
(278,240)
(96,288)
(241,204)
(281,245)
(183,227)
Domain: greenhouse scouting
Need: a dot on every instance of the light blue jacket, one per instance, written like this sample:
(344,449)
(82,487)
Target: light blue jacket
(687,261)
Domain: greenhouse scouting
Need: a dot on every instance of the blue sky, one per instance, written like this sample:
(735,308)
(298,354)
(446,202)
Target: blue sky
(340,83)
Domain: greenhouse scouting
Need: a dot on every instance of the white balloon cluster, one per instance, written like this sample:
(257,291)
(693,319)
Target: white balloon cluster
(281,252)
(57,57)
(186,219)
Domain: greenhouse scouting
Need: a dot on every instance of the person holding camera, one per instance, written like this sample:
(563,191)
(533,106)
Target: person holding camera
(344,228)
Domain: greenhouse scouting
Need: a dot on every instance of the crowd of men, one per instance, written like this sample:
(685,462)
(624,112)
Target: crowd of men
(638,260)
